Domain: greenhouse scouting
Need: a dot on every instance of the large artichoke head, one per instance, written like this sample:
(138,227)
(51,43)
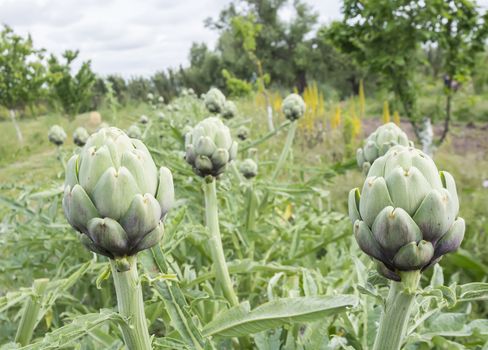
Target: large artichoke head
(115,196)
(406,216)
(209,147)
(56,135)
(80,136)
(214,100)
(379,142)
(293,107)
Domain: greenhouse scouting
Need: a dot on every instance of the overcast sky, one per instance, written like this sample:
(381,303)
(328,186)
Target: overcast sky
(127,36)
(124,36)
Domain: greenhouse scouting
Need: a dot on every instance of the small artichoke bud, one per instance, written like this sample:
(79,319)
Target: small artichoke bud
(209,147)
(114,195)
(161,99)
(214,100)
(293,107)
(56,135)
(161,116)
(248,168)
(378,143)
(230,110)
(242,133)
(406,217)
(143,119)
(134,132)
(150,96)
(80,136)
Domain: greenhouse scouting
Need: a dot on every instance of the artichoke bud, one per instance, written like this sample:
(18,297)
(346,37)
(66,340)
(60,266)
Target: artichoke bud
(248,168)
(80,136)
(406,217)
(242,133)
(143,119)
(114,195)
(229,110)
(293,107)
(379,142)
(56,135)
(214,100)
(210,147)
(134,132)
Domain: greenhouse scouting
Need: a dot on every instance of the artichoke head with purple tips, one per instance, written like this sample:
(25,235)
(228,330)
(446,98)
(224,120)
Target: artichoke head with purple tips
(406,216)
(114,195)
(209,147)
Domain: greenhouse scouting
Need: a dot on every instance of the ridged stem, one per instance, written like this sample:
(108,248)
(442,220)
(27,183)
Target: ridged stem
(30,314)
(286,148)
(131,305)
(215,243)
(395,316)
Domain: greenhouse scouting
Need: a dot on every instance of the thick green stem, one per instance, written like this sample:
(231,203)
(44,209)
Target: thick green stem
(31,311)
(215,243)
(131,305)
(286,148)
(395,316)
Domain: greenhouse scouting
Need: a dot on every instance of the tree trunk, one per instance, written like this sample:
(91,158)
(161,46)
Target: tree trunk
(448,117)
(16,126)
(301,81)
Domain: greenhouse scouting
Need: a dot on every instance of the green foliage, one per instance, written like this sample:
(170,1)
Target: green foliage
(236,86)
(22,71)
(72,91)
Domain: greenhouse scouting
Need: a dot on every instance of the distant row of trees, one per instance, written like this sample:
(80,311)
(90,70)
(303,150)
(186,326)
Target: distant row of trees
(388,44)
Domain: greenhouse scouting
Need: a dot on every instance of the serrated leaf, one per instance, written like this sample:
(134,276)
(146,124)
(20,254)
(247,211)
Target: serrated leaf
(239,321)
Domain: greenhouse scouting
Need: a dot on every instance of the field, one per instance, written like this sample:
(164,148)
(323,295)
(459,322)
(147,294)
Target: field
(287,240)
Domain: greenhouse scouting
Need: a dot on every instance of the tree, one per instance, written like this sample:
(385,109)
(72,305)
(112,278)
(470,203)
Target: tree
(384,37)
(22,74)
(460,32)
(72,91)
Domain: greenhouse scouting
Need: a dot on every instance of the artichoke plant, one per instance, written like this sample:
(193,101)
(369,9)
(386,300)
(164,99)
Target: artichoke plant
(115,196)
(229,110)
(406,217)
(248,168)
(379,142)
(80,136)
(209,147)
(214,100)
(134,132)
(293,107)
(56,135)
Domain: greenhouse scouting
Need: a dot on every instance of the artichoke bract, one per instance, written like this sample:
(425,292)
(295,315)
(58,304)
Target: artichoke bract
(406,217)
(56,135)
(209,147)
(214,100)
(293,107)
(379,142)
(229,110)
(80,136)
(115,196)
(248,168)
